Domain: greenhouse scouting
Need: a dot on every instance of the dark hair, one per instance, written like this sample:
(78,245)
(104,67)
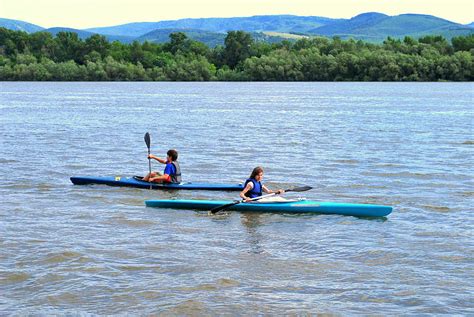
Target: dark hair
(173,154)
(257,170)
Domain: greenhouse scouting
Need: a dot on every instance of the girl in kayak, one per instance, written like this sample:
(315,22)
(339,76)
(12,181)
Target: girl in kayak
(253,186)
(172,172)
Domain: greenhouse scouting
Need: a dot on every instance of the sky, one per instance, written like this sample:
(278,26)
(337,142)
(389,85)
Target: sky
(95,13)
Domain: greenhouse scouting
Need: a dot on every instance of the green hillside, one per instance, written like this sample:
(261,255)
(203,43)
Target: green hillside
(86,34)
(17,25)
(80,33)
(376,27)
(212,39)
(276,23)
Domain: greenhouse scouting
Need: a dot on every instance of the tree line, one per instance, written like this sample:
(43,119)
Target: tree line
(65,57)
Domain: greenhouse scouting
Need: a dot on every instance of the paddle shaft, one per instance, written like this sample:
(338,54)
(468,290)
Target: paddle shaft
(259,197)
(148,145)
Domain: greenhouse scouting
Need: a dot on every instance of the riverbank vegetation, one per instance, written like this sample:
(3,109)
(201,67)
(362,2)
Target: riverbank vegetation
(65,57)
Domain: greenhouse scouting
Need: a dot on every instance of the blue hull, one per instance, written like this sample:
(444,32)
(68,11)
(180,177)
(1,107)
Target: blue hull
(301,206)
(132,182)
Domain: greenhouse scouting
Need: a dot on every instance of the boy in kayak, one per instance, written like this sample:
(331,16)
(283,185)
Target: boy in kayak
(253,186)
(172,172)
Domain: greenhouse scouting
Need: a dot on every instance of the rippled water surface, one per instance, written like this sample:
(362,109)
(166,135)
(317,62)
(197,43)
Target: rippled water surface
(68,249)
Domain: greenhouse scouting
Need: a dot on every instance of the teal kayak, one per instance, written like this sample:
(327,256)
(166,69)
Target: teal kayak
(138,183)
(291,206)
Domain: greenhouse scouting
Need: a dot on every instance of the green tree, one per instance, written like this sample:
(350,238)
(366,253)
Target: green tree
(30,72)
(66,71)
(69,47)
(97,43)
(316,66)
(190,69)
(136,53)
(227,74)
(6,72)
(13,42)
(237,47)
(119,51)
(4,60)
(42,44)
(438,42)
(178,43)
(95,71)
(348,66)
(156,74)
(463,43)
(25,59)
(281,65)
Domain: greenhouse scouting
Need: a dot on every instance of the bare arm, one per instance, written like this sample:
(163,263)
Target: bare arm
(248,187)
(269,191)
(162,161)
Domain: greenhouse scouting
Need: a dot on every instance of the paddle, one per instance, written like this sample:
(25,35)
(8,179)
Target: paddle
(148,142)
(236,202)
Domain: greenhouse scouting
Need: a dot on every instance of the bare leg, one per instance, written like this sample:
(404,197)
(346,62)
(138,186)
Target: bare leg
(155,178)
(148,176)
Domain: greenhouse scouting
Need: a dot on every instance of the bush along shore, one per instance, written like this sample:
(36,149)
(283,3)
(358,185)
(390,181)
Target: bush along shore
(65,57)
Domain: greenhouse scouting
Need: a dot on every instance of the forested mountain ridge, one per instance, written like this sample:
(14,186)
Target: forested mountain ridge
(372,26)
(376,27)
(276,23)
(17,25)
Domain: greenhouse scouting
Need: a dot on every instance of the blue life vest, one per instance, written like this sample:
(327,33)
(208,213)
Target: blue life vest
(256,191)
(174,171)
(176,177)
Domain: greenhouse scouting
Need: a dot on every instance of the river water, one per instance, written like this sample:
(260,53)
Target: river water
(68,249)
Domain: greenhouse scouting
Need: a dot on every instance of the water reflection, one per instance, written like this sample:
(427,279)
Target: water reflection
(252,222)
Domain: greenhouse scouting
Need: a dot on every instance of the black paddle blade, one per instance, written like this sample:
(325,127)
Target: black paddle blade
(222,207)
(147,140)
(299,189)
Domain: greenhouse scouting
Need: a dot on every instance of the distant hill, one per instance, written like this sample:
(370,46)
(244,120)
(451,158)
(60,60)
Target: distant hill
(86,34)
(212,39)
(286,36)
(470,24)
(17,25)
(82,34)
(162,35)
(135,29)
(351,26)
(376,27)
(276,23)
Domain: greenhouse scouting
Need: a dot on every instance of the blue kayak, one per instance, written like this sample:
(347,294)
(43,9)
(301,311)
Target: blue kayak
(137,183)
(290,206)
